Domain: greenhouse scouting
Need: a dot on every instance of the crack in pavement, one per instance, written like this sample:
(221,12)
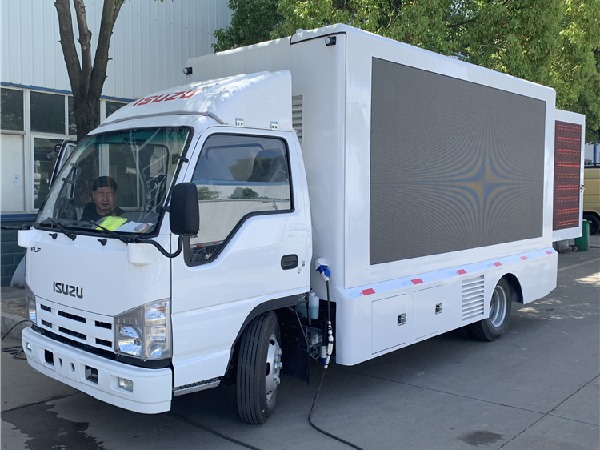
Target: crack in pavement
(211,431)
(549,413)
(543,414)
(50,399)
(440,391)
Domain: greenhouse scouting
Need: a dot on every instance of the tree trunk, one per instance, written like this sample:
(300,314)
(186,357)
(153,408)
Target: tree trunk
(86,80)
(87,114)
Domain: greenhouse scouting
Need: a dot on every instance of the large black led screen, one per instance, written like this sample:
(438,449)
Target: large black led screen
(454,165)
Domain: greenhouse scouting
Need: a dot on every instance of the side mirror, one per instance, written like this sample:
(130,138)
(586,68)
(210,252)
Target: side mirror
(184,214)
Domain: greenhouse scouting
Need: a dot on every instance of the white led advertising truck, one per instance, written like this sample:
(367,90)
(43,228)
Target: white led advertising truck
(333,195)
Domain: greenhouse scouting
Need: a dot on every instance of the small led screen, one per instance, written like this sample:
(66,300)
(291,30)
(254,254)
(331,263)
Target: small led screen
(567,175)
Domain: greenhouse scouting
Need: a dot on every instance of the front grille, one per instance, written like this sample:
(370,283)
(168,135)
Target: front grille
(104,343)
(71,316)
(73,343)
(106,325)
(89,329)
(79,336)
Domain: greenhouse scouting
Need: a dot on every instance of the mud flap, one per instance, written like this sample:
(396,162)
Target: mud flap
(295,357)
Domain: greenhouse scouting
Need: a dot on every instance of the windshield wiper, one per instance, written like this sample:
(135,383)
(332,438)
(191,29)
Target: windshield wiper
(55,224)
(140,240)
(112,233)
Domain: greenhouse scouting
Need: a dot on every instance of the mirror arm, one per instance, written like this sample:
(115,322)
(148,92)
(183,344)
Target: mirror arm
(161,249)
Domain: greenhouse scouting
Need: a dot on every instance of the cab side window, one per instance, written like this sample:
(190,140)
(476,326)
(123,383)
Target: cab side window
(236,177)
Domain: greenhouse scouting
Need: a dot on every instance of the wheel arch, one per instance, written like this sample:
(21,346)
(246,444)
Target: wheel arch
(594,218)
(591,213)
(515,287)
(279,306)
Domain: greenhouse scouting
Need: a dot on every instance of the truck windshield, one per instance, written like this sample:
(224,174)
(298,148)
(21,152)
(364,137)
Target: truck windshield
(115,182)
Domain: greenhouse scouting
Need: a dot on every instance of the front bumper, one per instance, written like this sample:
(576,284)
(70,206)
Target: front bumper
(151,391)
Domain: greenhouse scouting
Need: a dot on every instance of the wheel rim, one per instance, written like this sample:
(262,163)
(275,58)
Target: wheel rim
(274,366)
(498,306)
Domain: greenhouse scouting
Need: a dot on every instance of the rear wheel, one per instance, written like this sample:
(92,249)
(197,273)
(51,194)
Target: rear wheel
(259,369)
(496,325)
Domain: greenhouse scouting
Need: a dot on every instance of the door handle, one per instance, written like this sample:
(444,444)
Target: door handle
(289,262)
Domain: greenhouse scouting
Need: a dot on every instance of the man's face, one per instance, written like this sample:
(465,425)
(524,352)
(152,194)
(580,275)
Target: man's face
(104,199)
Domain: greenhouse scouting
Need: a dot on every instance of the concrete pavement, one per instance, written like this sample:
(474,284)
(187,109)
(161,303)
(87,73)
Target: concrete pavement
(13,309)
(536,388)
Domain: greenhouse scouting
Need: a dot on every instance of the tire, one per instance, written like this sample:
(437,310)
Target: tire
(259,369)
(594,223)
(496,325)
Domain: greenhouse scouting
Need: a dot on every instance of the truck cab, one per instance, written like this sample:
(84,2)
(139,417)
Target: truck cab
(116,300)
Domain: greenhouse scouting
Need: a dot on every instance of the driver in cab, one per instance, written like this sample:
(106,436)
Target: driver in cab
(103,209)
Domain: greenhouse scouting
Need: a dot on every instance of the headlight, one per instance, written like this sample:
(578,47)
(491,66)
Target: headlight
(145,332)
(30,309)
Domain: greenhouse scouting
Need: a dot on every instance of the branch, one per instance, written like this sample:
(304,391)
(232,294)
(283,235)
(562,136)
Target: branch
(85,38)
(67,42)
(110,12)
(464,22)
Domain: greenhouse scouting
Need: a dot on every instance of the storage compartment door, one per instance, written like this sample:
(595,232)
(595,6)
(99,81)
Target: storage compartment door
(391,322)
(433,312)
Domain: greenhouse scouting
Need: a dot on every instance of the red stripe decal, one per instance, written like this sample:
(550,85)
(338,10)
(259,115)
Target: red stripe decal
(523,258)
(369,291)
(548,252)
(417,281)
(497,264)
(461,271)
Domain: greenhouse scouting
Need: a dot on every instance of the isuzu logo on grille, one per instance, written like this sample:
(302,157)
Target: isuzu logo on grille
(67,289)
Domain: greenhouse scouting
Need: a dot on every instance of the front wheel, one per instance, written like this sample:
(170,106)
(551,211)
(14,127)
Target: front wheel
(259,369)
(496,325)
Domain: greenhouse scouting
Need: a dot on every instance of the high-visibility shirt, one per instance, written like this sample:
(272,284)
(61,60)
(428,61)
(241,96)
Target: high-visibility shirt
(111,222)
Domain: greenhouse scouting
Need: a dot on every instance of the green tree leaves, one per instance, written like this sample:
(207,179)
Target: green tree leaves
(252,21)
(575,68)
(551,42)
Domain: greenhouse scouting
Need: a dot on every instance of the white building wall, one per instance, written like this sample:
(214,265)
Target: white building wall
(151,42)
(150,45)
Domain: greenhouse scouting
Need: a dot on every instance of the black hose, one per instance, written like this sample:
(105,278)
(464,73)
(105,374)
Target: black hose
(13,327)
(320,430)
(329,330)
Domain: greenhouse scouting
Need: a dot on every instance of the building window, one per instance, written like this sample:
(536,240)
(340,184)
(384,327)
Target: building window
(12,110)
(47,113)
(72,125)
(44,158)
(111,107)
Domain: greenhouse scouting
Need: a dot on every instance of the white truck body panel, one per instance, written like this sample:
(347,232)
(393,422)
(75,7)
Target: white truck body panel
(227,101)
(335,83)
